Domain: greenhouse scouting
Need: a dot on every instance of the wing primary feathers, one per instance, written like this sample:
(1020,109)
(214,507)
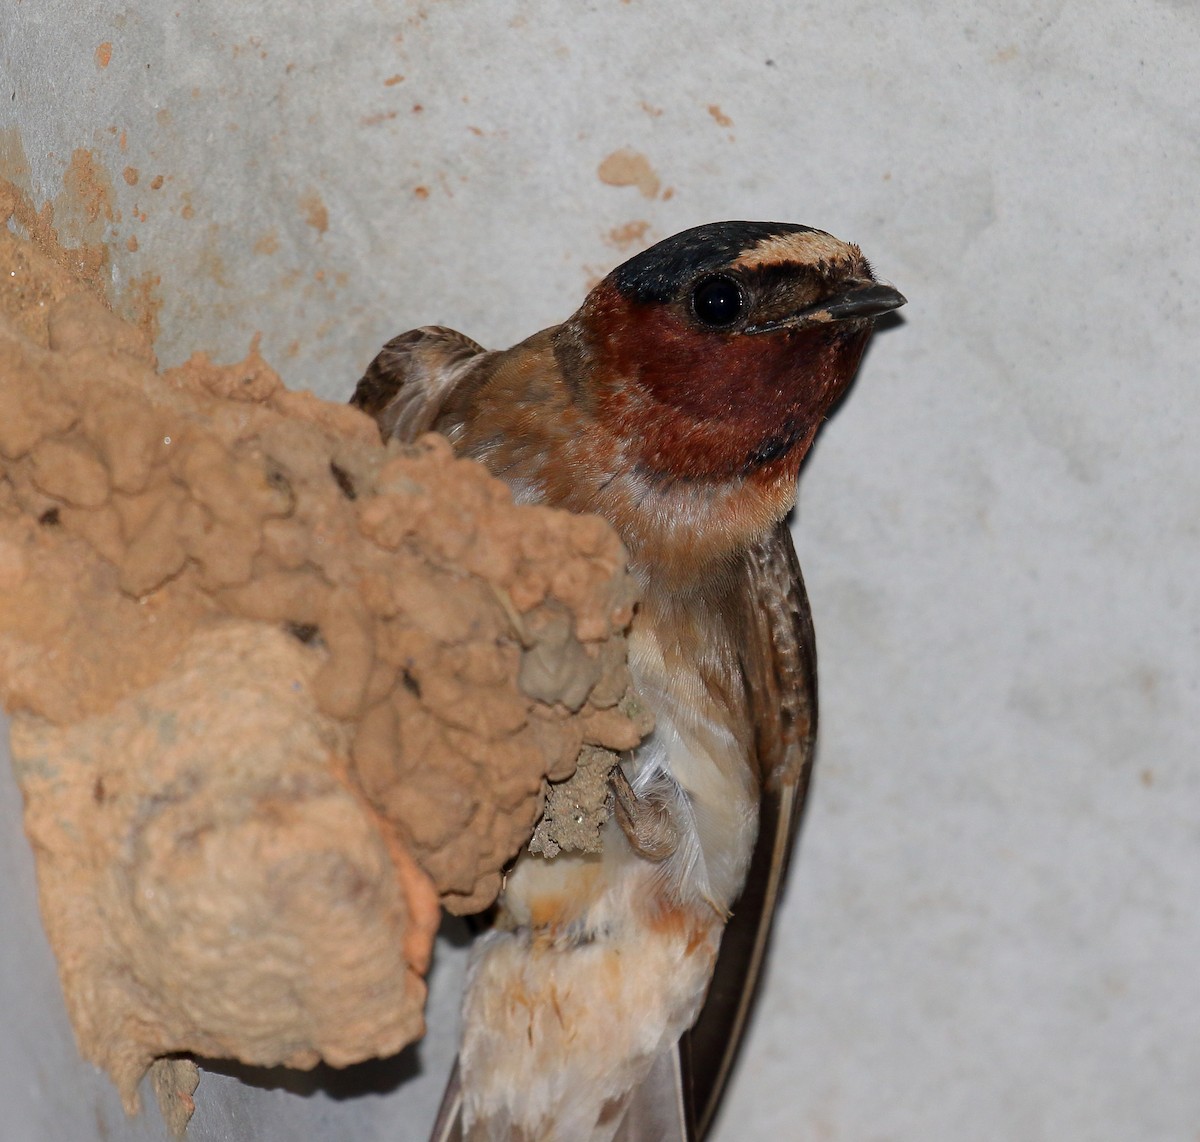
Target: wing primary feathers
(448,1127)
(657,1110)
(781,683)
(712,1045)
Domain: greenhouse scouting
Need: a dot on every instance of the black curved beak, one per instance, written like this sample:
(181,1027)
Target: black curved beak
(858,300)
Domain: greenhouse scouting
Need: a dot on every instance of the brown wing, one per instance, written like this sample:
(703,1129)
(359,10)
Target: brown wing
(779,663)
(409,383)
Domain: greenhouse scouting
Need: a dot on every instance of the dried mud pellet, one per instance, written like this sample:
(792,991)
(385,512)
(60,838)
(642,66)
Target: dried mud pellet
(341,684)
(71,471)
(376,744)
(156,553)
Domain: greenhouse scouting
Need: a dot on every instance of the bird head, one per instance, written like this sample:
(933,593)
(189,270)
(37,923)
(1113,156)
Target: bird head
(720,350)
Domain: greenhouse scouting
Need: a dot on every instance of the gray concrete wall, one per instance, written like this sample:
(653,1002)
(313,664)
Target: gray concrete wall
(992,930)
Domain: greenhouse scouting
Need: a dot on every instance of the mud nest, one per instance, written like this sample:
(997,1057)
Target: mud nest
(277,690)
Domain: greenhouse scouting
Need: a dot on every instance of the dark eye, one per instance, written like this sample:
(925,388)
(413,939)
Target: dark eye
(718,301)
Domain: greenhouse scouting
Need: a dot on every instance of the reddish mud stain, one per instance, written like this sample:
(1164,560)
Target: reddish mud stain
(629,168)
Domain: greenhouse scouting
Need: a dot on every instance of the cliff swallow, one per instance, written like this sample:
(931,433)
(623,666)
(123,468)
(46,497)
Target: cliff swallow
(677,403)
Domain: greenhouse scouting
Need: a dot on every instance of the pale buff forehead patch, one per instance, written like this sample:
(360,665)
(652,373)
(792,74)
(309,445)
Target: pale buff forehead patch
(805,247)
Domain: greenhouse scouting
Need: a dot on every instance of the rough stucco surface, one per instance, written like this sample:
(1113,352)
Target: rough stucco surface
(991,929)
